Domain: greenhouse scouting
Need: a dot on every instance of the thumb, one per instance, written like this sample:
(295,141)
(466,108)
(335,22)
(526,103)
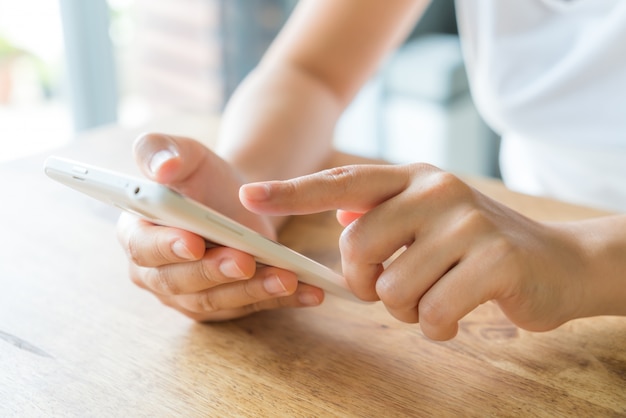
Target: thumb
(193,170)
(167,159)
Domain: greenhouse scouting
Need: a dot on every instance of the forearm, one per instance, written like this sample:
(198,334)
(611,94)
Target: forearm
(279,124)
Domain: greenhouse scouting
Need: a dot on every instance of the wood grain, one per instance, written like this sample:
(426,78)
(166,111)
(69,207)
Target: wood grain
(78,339)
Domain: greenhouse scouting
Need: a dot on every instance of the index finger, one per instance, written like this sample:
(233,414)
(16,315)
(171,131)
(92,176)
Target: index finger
(355,188)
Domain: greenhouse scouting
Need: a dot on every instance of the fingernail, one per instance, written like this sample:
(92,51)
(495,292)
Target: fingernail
(274,286)
(308,299)
(180,249)
(159,158)
(230,269)
(256,191)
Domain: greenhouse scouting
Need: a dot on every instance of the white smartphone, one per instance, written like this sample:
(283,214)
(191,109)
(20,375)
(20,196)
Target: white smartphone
(162,205)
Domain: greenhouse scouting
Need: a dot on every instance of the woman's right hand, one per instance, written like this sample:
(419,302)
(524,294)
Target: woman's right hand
(205,284)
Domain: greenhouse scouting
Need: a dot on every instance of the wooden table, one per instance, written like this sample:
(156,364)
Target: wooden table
(78,339)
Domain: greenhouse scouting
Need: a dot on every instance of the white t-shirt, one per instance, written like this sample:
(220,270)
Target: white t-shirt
(550,77)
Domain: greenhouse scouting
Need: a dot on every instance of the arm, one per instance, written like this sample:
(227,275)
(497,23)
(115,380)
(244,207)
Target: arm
(280,122)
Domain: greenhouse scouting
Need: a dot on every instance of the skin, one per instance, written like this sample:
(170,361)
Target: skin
(461,248)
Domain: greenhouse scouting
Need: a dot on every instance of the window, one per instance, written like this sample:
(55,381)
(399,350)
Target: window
(34,115)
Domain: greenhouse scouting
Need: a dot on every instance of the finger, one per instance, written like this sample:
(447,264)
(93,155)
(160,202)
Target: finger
(304,296)
(189,167)
(405,281)
(269,284)
(150,245)
(354,188)
(218,266)
(438,253)
(168,159)
(367,242)
(468,285)
(405,220)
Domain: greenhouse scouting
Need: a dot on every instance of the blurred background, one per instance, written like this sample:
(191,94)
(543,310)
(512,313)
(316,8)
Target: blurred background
(69,66)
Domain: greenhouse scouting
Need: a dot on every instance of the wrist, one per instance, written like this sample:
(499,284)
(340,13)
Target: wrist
(603,249)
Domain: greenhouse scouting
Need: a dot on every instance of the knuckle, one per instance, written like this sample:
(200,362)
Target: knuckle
(284,302)
(134,253)
(204,302)
(339,174)
(503,251)
(249,290)
(351,243)
(433,312)
(254,308)
(338,180)
(502,247)
(207,274)
(174,302)
(148,249)
(444,184)
(162,281)
(470,221)
(160,251)
(390,293)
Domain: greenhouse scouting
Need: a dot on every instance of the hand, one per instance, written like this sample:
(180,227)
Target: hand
(205,284)
(462,248)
